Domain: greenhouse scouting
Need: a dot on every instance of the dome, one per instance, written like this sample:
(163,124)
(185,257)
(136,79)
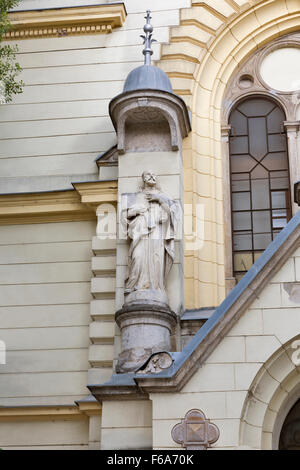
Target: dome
(145,77)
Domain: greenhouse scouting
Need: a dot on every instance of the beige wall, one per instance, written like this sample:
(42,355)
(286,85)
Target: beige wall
(45,277)
(45,435)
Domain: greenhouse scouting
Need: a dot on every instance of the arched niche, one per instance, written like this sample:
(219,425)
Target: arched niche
(149,120)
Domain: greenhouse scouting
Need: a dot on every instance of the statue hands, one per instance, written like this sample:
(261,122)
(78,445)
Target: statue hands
(157,198)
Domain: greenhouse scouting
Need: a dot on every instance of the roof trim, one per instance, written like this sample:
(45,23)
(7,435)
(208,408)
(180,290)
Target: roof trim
(65,21)
(71,205)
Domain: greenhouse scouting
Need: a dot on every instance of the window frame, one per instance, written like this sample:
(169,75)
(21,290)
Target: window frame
(234,93)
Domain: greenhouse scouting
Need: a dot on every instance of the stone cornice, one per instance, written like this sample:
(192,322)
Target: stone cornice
(66,21)
(292,126)
(94,193)
(49,412)
(57,206)
(89,408)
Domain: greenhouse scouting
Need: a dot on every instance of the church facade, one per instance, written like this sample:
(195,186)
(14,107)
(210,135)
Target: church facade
(150,227)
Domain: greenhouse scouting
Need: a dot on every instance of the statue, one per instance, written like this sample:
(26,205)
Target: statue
(151,218)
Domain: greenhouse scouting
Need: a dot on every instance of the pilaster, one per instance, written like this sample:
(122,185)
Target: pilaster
(293,138)
(230,281)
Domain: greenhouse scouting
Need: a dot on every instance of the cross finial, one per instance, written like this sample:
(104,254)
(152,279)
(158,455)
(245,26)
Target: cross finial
(148,28)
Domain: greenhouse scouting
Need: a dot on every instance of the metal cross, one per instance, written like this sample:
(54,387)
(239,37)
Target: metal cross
(148,28)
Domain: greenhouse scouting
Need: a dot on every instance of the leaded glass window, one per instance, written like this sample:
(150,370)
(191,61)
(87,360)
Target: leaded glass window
(260,190)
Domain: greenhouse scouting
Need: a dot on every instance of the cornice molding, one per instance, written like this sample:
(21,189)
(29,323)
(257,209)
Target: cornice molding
(69,21)
(57,206)
(90,408)
(108,158)
(94,193)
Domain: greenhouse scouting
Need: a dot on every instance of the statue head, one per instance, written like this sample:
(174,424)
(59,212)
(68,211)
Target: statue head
(149,178)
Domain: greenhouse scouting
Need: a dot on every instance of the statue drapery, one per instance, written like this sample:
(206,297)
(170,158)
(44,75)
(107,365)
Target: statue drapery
(151,217)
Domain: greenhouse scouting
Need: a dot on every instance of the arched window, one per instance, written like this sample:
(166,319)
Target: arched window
(259,169)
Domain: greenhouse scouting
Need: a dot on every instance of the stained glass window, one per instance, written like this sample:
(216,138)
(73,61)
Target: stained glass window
(260,189)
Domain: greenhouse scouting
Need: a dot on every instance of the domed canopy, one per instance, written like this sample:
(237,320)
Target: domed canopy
(147,76)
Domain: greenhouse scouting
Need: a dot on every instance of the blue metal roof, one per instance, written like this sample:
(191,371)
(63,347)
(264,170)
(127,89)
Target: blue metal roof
(147,77)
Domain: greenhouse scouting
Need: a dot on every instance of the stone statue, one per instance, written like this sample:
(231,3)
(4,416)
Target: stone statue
(151,218)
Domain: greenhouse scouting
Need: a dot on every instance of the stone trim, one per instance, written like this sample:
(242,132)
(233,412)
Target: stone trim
(281,415)
(268,406)
(230,281)
(108,158)
(172,59)
(95,193)
(59,22)
(57,206)
(89,408)
(195,431)
(102,325)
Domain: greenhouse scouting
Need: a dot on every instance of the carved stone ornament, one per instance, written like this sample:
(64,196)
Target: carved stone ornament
(157,363)
(195,432)
(78,20)
(108,158)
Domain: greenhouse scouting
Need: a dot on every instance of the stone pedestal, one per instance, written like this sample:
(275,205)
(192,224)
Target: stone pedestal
(145,329)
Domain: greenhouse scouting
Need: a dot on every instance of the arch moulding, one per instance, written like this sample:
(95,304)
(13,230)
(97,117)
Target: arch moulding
(272,394)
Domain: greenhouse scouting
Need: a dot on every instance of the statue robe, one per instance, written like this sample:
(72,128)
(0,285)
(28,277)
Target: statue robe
(151,228)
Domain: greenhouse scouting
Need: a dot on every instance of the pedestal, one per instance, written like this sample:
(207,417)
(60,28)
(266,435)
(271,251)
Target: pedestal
(145,329)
